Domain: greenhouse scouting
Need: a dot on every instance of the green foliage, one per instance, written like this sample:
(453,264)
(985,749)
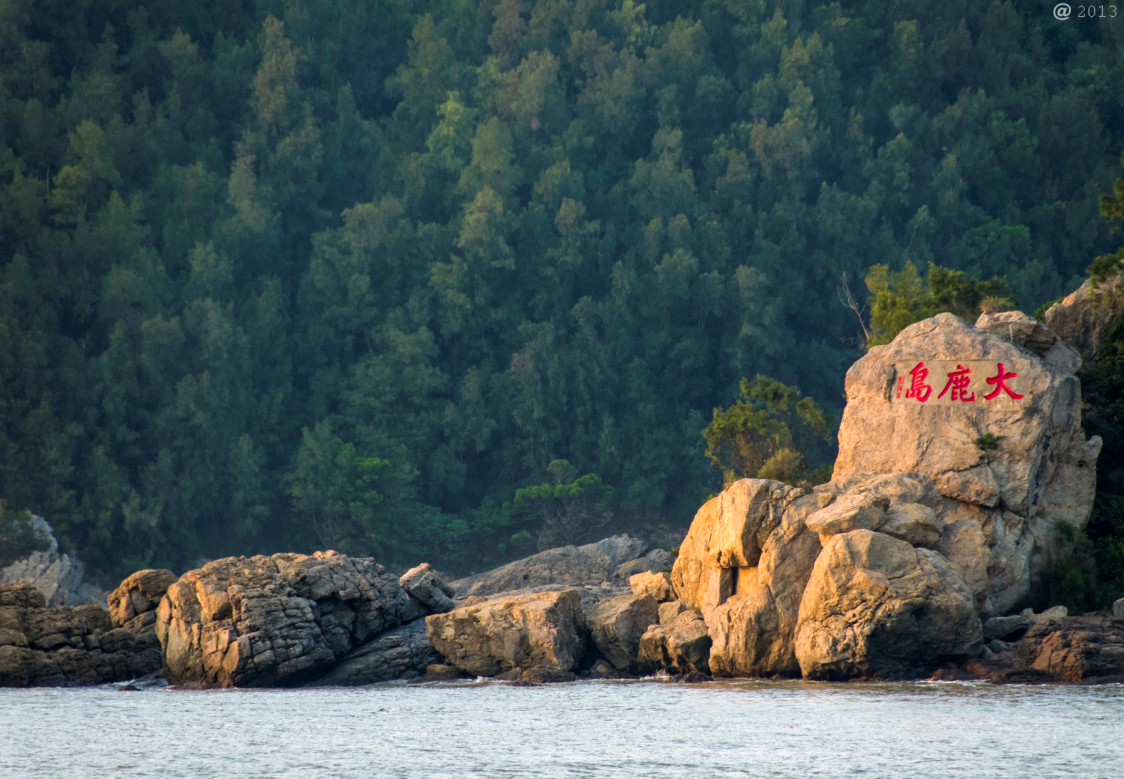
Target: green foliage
(766,434)
(900,298)
(470,239)
(989,442)
(566,511)
(1112,206)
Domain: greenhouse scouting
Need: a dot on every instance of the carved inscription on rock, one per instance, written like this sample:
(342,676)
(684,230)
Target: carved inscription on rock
(944,382)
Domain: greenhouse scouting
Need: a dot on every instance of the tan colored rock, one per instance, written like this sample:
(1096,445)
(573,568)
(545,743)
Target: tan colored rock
(913,523)
(726,535)
(875,607)
(673,608)
(133,604)
(616,625)
(655,585)
(852,511)
(752,630)
(522,631)
(424,584)
(681,646)
(1040,474)
(274,621)
(1083,318)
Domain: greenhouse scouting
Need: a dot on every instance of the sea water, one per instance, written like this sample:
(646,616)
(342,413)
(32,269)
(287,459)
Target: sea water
(583,729)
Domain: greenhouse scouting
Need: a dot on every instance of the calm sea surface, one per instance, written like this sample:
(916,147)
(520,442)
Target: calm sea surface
(585,729)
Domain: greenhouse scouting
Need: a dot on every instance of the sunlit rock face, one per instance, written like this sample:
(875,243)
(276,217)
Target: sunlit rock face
(961,461)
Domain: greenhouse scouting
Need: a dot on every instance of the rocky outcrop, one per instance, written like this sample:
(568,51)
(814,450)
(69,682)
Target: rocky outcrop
(133,604)
(60,578)
(402,653)
(1066,649)
(655,585)
(1083,318)
(875,607)
(616,625)
(681,646)
(535,630)
(995,424)
(567,566)
(430,589)
(65,646)
(275,621)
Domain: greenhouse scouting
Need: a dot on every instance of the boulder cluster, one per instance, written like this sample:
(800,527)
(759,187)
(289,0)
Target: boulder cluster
(963,471)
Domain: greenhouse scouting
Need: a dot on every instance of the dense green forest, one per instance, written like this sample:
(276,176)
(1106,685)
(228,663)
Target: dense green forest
(283,275)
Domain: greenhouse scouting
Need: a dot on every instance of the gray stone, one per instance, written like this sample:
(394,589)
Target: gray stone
(1006,628)
(616,625)
(401,653)
(681,646)
(424,584)
(1118,609)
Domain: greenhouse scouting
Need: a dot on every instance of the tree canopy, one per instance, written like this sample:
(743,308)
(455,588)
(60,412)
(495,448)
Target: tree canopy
(275,276)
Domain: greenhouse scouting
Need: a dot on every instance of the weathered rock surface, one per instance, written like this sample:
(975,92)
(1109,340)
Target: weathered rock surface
(133,604)
(681,646)
(424,584)
(655,585)
(922,403)
(275,621)
(521,631)
(670,610)
(616,625)
(1083,318)
(1069,649)
(402,653)
(64,646)
(875,607)
(1118,609)
(567,566)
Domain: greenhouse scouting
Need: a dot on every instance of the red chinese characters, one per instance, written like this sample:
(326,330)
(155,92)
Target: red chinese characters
(1000,382)
(918,388)
(958,381)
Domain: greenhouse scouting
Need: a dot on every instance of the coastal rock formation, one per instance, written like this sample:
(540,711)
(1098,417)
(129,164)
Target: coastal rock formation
(275,621)
(876,607)
(961,452)
(1083,318)
(64,646)
(616,625)
(567,566)
(61,578)
(521,631)
(1065,649)
(133,604)
(997,428)
(430,589)
(681,646)
(656,585)
(402,653)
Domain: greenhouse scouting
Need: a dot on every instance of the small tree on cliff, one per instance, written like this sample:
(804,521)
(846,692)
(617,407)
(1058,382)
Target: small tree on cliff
(1112,206)
(767,434)
(566,510)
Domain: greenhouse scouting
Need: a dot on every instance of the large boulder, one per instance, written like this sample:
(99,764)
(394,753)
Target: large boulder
(429,588)
(616,625)
(65,646)
(402,653)
(534,630)
(567,566)
(275,621)
(989,415)
(876,607)
(1067,649)
(1083,318)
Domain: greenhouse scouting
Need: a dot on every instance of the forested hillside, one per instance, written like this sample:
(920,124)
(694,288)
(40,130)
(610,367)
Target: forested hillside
(282,274)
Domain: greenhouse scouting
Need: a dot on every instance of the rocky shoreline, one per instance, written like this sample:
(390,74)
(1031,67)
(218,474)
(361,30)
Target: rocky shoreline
(942,510)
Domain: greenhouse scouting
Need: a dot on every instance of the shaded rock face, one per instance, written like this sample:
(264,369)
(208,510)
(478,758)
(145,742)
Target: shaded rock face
(921,403)
(876,607)
(65,646)
(527,631)
(133,604)
(567,566)
(275,621)
(616,625)
(402,653)
(59,577)
(681,646)
(1068,649)
(1083,318)
(430,589)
